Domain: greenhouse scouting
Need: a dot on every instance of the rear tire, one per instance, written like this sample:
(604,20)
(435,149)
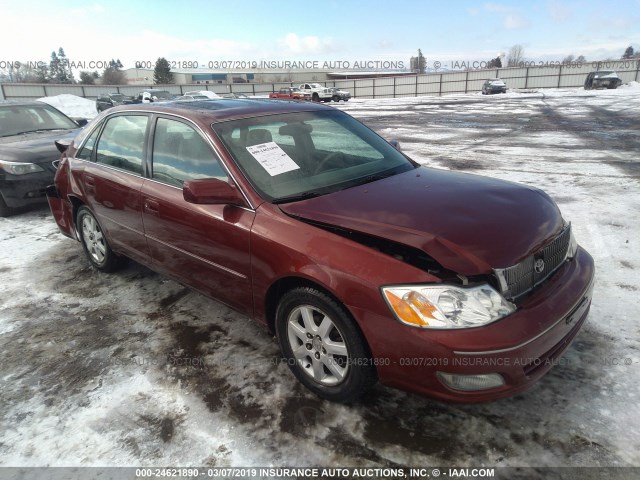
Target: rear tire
(94,242)
(322,345)
(336,98)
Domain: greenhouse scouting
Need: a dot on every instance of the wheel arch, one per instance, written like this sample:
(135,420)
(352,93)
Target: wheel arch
(76,204)
(285,284)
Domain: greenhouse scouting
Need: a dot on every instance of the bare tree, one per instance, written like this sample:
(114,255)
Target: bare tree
(418,64)
(568,59)
(113,75)
(515,56)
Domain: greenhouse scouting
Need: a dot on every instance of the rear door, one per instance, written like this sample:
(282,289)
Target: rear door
(113,179)
(205,246)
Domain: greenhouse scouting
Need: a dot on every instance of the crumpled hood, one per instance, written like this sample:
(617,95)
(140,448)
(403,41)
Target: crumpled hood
(468,223)
(34,147)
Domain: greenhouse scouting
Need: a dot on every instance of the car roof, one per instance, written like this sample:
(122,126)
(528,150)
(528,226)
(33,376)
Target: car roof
(24,103)
(219,110)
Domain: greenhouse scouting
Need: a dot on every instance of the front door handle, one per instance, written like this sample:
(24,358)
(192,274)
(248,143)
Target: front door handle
(151,206)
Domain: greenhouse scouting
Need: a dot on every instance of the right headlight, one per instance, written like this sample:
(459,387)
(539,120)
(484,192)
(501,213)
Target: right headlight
(19,168)
(446,306)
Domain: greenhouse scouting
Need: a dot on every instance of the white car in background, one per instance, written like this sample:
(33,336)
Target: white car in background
(318,92)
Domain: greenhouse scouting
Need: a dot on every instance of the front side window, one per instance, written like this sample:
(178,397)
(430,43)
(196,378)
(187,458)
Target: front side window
(288,156)
(121,144)
(180,153)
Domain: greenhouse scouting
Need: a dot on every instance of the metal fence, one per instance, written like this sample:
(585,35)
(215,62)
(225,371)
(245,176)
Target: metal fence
(526,77)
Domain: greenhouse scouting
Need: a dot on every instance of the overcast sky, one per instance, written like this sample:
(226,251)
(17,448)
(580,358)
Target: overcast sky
(319,30)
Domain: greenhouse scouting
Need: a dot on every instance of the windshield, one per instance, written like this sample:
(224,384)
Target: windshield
(17,119)
(291,156)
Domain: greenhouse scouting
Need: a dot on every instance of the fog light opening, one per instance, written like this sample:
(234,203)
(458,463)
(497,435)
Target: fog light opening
(471,383)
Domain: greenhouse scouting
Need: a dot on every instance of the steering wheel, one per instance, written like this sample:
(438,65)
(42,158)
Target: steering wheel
(328,159)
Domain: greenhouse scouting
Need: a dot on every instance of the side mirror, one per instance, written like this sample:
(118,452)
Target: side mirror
(211,191)
(395,144)
(62,145)
(80,121)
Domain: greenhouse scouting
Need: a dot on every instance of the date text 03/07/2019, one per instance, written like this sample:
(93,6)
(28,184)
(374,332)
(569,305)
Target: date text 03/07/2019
(277,64)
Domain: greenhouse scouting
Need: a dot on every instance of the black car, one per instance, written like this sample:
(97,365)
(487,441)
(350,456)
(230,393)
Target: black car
(494,85)
(108,100)
(28,131)
(602,79)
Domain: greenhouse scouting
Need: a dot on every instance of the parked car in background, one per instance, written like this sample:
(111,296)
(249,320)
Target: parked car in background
(337,94)
(494,85)
(28,131)
(318,92)
(301,217)
(235,95)
(108,100)
(602,79)
(290,93)
(206,93)
(193,97)
(153,95)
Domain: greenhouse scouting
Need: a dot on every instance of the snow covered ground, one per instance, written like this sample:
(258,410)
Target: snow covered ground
(134,369)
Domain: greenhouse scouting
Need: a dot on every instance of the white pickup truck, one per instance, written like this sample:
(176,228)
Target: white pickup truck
(318,92)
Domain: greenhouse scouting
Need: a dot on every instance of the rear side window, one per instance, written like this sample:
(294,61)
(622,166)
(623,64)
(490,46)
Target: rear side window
(87,149)
(180,153)
(121,144)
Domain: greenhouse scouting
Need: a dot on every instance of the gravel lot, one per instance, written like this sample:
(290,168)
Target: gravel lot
(134,369)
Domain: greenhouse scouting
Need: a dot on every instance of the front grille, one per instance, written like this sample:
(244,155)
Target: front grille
(524,276)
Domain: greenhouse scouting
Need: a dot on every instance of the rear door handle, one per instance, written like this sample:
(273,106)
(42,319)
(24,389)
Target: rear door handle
(89,181)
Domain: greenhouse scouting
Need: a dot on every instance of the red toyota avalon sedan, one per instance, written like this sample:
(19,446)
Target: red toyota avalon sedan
(365,265)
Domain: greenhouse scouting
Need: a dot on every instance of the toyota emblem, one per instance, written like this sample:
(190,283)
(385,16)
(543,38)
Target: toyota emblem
(539,265)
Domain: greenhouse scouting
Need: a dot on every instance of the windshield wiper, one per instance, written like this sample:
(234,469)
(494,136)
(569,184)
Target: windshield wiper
(373,178)
(297,196)
(42,130)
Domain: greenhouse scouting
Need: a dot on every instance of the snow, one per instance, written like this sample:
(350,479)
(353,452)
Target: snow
(72,105)
(134,369)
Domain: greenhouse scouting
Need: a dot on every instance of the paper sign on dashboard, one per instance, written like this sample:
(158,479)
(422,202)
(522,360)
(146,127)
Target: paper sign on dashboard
(274,160)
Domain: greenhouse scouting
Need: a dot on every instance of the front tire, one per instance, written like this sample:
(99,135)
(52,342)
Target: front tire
(5,211)
(94,242)
(315,97)
(322,345)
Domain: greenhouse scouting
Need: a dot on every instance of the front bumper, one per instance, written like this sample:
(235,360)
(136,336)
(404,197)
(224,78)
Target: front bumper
(521,348)
(23,190)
